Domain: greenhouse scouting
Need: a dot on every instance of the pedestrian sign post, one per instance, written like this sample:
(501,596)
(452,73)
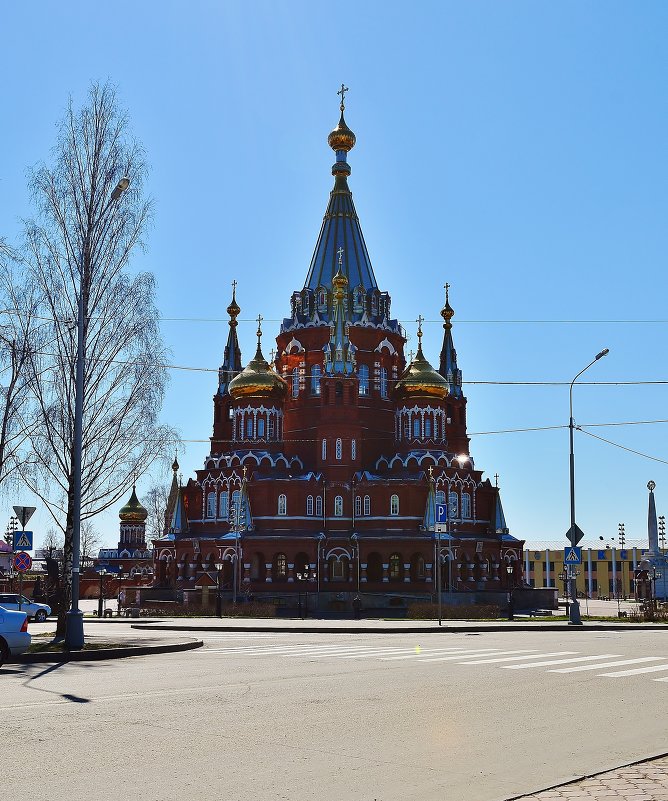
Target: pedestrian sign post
(573,555)
(22,562)
(23,541)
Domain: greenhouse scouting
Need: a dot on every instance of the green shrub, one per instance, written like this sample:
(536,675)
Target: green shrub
(429,611)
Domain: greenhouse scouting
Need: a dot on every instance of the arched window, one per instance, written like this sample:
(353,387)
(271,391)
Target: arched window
(316,372)
(282,505)
(407,428)
(339,449)
(322,300)
(295,383)
(309,505)
(324,450)
(318,506)
(249,428)
(260,427)
(211,504)
(453,505)
(395,567)
(271,430)
(234,508)
(224,505)
(358,506)
(466,505)
(416,427)
(394,505)
(427,426)
(353,449)
(338,506)
(435,426)
(364,379)
(383,382)
(280,567)
(367,505)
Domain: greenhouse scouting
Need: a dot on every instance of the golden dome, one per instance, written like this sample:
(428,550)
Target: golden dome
(257,378)
(420,378)
(341,138)
(133,511)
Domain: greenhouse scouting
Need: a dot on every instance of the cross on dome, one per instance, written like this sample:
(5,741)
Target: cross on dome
(342,91)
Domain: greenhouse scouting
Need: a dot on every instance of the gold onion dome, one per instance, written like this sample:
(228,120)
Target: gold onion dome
(420,378)
(257,378)
(341,138)
(233,309)
(133,511)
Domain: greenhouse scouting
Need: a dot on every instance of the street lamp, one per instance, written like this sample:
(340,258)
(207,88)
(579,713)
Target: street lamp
(574,615)
(656,574)
(304,577)
(563,576)
(74,633)
(219,603)
(510,568)
(102,570)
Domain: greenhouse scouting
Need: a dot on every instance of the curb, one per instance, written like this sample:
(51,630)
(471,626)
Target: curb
(559,627)
(584,777)
(105,653)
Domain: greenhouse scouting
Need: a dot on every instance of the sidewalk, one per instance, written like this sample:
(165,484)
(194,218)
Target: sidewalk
(372,626)
(645,781)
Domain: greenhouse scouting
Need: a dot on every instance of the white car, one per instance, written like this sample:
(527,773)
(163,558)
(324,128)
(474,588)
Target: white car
(14,636)
(38,612)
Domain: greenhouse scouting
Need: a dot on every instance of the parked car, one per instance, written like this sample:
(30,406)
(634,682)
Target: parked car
(38,612)
(14,635)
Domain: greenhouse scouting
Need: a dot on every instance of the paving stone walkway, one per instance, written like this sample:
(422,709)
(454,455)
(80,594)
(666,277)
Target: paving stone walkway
(647,781)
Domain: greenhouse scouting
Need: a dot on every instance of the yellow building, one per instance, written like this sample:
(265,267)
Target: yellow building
(604,572)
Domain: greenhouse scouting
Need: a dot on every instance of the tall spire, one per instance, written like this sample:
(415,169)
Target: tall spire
(231,365)
(448,366)
(339,352)
(341,227)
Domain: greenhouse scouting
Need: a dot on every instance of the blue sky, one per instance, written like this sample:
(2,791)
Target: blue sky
(515,149)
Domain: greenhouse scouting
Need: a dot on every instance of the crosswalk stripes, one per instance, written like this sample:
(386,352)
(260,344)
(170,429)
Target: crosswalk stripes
(560,661)
(564,662)
(607,665)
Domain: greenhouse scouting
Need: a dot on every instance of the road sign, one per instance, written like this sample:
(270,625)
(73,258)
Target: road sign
(23,541)
(573,555)
(575,534)
(22,562)
(24,513)
(441,513)
(441,528)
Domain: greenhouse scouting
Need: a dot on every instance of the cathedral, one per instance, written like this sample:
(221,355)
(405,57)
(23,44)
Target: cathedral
(328,462)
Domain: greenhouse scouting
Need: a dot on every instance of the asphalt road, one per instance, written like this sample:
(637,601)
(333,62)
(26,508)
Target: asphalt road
(336,717)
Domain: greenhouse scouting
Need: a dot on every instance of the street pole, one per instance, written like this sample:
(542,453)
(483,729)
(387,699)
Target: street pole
(574,613)
(74,633)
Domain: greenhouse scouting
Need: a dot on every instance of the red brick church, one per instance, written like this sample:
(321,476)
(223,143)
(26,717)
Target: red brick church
(327,463)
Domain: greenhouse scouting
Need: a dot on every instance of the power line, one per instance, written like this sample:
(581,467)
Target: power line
(623,447)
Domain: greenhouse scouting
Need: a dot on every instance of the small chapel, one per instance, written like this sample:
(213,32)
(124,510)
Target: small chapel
(329,461)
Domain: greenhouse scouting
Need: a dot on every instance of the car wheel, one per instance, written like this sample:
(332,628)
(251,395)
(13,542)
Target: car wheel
(40,616)
(4,652)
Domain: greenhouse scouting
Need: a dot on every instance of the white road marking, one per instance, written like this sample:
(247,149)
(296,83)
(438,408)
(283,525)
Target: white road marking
(609,664)
(408,652)
(559,661)
(516,658)
(457,651)
(474,655)
(635,671)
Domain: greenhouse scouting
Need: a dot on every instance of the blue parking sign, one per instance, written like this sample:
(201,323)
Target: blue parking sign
(441,513)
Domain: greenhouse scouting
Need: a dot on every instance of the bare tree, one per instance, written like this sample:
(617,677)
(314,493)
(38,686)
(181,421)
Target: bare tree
(156,504)
(82,243)
(90,543)
(19,335)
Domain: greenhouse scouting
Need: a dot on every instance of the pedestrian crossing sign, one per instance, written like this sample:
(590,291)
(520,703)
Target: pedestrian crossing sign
(23,541)
(573,555)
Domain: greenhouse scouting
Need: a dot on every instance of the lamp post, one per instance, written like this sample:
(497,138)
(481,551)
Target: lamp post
(102,570)
(563,576)
(74,633)
(219,602)
(656,574)
(510,567)
(304,576)
(574,614)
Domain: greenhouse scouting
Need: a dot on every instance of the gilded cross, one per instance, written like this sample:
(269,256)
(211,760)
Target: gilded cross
(447,286)
(234,286)
(342,91)
(340,254)
(410,353)
(496,479)
(272,353)
(431,471)
(419,321)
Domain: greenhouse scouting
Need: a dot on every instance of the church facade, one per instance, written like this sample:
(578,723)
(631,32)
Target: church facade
(328,464)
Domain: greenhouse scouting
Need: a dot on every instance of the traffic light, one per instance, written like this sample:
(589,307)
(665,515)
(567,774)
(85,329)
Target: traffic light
(9,538)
